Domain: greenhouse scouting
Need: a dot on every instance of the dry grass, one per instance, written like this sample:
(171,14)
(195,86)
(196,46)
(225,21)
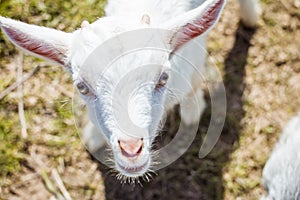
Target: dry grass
(53,143)
(261,72)
(270,95)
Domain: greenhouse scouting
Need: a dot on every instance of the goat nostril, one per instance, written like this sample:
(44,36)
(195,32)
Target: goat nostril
(140,150)
(131,148)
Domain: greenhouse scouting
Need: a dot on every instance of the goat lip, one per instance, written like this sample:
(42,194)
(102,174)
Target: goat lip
(134,171)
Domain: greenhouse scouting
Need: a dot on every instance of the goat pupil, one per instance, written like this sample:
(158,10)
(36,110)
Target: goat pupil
(163,79)
(83,89)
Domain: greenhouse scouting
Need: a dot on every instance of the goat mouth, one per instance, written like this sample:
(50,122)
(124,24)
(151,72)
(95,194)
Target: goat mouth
(134,171)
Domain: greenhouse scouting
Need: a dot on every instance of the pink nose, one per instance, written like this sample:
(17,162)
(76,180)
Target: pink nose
(131,148)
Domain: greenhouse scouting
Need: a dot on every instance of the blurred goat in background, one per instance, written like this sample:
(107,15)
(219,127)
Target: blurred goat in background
(281,174)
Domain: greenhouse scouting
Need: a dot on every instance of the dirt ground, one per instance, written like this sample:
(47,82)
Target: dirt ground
(261,73)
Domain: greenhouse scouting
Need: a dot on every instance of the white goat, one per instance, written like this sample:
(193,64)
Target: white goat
(186,19)
(281,174)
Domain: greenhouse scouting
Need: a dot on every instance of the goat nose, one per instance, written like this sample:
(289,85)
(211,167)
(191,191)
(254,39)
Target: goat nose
(131,148)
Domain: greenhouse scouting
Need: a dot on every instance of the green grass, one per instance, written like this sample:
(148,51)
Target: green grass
(59,14)
(10,146)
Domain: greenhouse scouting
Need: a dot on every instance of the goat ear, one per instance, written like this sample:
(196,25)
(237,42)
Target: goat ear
(40,41)
(194,23)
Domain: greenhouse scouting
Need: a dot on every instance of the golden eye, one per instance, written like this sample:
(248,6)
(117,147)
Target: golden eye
(83,88)
(163,79)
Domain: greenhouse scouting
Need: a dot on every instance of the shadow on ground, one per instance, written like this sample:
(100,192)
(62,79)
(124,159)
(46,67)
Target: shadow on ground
(190,177)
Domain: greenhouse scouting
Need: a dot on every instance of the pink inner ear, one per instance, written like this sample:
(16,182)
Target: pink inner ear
(35,46)
(198,26)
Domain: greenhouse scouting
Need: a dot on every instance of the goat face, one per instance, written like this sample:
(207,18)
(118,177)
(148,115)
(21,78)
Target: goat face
(125,99)
(127,104)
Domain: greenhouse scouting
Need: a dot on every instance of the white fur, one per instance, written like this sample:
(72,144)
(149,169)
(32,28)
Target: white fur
(250,12)
(281,174)
(134,111)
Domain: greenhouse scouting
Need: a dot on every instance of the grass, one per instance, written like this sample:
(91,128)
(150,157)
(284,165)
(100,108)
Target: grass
(47,101)
(63,15)
(11,146)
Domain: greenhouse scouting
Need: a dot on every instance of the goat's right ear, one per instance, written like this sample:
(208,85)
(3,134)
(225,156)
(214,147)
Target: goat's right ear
(40,41)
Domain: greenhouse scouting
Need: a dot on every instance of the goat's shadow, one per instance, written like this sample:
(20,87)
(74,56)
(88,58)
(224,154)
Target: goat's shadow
(190,177)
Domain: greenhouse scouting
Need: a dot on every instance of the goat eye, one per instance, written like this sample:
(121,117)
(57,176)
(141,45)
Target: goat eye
(162,80)
(83,88)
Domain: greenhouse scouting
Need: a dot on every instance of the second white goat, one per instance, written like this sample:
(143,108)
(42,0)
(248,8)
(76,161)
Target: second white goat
(281,174)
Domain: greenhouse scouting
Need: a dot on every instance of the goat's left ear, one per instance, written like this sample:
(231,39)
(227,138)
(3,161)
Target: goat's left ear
(193,23)
(43,42)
